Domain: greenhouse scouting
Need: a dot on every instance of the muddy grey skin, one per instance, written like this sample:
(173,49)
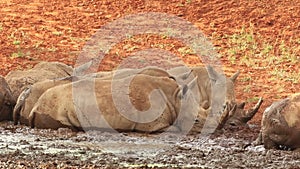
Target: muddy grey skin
(207,78)
(6,101)
(208,81)
(18,80)
(280,126)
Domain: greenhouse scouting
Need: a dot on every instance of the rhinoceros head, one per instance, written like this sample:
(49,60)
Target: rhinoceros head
(237,116)
(240,116)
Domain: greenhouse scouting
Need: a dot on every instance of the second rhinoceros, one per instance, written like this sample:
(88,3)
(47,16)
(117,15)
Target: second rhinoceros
(18,80)
(280,125)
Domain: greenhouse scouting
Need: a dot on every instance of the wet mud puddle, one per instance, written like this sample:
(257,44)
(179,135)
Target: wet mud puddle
(142,150)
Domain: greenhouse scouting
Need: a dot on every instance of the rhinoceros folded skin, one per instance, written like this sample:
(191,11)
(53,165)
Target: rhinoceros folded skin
(280,126)
(58,107)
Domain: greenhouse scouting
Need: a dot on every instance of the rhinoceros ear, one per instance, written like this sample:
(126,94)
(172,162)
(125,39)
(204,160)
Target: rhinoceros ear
(213,75)
(242,105)
(184,90)
(185,75)
(234,76)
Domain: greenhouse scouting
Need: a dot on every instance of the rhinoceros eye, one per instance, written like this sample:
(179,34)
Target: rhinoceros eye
(173,78)
(224,106)
(232,123)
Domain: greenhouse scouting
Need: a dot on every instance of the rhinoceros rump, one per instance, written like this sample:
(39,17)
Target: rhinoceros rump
(30,96)
(280,126)
(55,108)
(19,80)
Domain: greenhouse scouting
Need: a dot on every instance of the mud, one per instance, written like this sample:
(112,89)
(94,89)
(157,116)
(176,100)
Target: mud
(36,30)
(24,147)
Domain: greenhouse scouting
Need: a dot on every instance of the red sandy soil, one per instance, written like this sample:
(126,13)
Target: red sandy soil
(57,31)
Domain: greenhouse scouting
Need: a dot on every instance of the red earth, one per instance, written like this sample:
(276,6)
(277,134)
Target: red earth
(36,30)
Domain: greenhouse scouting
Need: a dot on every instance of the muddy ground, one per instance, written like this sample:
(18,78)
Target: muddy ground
(23,147)
(35,30)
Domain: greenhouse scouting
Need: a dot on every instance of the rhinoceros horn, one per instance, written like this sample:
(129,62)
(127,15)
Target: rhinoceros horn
(234,76)
(251,112)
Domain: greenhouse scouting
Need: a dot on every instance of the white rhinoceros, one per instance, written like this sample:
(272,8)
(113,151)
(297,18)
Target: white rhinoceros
(72,105)
(31,94)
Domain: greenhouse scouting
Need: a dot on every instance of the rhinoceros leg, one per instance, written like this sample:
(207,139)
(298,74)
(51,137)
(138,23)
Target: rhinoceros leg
(269,143)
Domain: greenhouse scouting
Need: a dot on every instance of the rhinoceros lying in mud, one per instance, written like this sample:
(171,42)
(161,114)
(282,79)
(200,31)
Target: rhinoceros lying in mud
(280,126)
(6,101)
(205,77)
(31,94)
(58,107)
(237,117)
(18,80)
